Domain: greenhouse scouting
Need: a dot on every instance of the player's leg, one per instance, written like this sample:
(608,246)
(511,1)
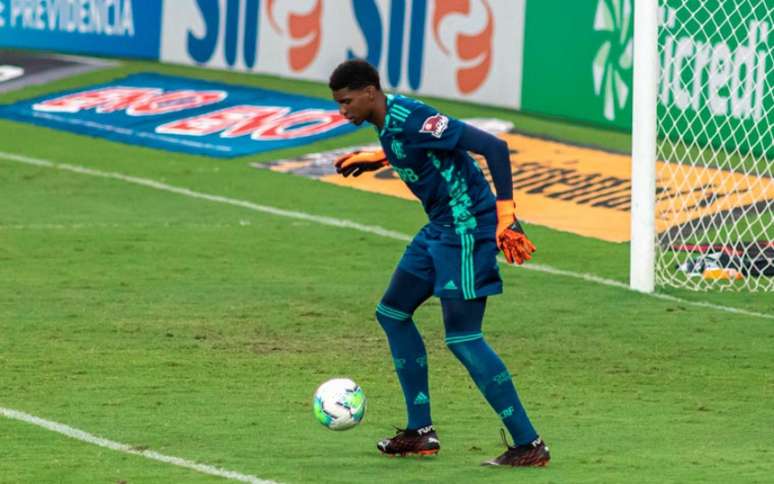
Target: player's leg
(395,314)
(463,321)
(411,285)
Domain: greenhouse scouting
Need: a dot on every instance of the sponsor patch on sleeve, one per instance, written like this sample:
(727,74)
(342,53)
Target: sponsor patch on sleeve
(435,125)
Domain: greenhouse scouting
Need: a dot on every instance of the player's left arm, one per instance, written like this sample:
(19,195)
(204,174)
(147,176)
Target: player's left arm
(511,238)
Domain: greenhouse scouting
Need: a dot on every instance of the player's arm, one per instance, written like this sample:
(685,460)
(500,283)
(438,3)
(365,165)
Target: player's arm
(510,236)
(356,163)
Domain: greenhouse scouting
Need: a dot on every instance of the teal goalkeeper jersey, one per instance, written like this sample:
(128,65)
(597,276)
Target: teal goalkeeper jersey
(421,146)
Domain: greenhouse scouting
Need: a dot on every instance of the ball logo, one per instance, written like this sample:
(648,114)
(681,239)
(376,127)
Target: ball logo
(305,32)
(474,50)
(435,125)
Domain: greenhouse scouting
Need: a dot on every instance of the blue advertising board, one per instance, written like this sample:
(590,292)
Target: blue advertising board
(188,115)
(121,28)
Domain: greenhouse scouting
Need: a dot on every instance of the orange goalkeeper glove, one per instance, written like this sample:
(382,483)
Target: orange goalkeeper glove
(510,236)
(358,162)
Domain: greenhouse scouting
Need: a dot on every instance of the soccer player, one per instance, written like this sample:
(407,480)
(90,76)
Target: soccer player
(453,257)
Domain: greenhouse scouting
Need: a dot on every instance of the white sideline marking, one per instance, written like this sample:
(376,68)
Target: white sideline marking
(127,449)
(372,229)
(241,223)
(205,196)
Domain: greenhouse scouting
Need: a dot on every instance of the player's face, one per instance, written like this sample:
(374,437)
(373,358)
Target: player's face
(356,104)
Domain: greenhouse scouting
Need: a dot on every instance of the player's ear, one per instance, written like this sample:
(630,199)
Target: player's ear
(371,91)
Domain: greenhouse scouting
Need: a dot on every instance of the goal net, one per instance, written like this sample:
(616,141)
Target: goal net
(714,202)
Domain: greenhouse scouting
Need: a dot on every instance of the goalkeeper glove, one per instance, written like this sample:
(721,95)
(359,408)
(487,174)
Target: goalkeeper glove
(510,236)
(358,162)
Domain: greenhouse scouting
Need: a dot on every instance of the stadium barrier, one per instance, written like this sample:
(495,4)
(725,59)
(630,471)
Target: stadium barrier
(510,53)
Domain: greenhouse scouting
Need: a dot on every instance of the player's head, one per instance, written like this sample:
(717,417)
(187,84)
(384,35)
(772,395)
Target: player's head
(355,86)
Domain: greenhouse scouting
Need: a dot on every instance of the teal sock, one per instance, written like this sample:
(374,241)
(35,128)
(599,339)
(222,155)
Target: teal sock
(494,381)
(410,359)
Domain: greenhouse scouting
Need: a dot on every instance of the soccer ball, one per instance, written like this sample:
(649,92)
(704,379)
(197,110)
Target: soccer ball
(339,404)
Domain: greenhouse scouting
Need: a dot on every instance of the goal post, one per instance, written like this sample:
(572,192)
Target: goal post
(643,206)
(703,145)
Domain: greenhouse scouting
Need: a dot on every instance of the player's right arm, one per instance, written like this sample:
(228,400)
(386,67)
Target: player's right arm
(356,163)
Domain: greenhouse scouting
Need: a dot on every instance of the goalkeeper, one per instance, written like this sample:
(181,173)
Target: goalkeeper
(453,257)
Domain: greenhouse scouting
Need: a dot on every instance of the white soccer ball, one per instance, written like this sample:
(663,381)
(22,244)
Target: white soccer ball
(339,404)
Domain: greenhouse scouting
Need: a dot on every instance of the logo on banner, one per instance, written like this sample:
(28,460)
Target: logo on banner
(261,123)
(187,115)
(613,62)
(102,17)
(203,47)
(473,50)
(136,101)
(304,30)
(725,73)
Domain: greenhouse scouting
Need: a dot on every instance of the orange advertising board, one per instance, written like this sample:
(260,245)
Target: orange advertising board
(586,191)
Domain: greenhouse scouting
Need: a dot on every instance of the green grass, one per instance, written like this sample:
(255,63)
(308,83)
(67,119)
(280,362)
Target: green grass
(200,330)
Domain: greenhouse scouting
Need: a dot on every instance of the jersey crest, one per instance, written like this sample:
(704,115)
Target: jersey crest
(435,125)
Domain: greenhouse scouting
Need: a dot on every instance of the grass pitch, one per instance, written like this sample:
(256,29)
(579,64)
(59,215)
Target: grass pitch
(200,330)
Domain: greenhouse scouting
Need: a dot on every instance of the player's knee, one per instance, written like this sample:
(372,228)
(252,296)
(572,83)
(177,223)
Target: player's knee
(383,320)
(389,317)
(456,350)
(466,355)
(462,345)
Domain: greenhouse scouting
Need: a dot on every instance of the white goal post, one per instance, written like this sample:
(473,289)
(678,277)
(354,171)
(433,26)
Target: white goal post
(703,145)
(646,68)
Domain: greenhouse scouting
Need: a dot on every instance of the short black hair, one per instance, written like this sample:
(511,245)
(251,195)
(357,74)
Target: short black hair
(354,74)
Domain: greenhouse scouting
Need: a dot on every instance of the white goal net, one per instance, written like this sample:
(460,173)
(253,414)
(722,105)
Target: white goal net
(715,148)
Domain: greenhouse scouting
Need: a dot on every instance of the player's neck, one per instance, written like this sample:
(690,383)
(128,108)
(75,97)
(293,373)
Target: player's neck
(380,111)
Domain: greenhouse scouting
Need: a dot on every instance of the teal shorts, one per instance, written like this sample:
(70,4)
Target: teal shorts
(459,266)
